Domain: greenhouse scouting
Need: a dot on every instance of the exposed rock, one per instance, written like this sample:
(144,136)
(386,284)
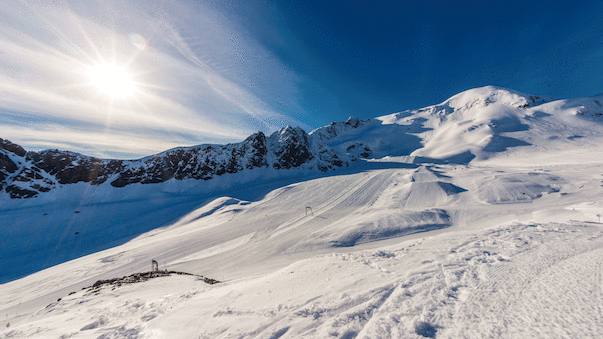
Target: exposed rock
(353,121)
(291,148)
(139,277)
(18,193)
(199,162)
(71,168)
(38,172)
(328,158)
(13,148)
(359,149)
(7,165)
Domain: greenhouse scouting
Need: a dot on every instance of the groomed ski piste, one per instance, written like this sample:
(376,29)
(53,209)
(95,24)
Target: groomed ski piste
(504,244)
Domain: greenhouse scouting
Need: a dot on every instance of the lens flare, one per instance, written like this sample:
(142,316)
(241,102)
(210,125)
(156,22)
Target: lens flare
(138,41)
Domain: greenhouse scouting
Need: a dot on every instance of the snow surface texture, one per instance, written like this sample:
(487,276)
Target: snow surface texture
(400,245)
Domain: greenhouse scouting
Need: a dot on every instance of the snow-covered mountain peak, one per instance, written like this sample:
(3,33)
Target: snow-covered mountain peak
(484,96)
(287,133)
(487,121)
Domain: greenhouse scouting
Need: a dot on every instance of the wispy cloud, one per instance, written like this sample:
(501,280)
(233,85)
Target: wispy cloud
(187,90)
(126,144)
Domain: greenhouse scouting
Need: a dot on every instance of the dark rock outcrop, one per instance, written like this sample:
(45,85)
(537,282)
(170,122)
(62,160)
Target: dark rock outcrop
(27,174)
(198,162)
(13,148)
(138,278)
(71,168)
(291,148)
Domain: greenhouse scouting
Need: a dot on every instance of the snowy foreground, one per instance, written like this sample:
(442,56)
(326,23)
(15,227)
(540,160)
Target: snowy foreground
(526,264)
(505,244)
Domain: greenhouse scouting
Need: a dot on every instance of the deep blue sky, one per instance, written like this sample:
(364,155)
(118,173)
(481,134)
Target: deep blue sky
(370,58)
(215,71)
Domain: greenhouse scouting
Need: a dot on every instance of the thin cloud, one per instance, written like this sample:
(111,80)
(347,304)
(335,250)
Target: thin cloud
(181,95)
(98,142)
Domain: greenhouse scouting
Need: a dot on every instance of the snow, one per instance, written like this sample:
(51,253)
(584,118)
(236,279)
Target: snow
(488,120)
(507,245)
(541,280)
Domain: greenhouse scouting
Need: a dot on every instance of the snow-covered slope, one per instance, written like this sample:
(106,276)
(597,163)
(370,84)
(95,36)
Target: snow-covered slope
(486,262)
(487,121)
(433,229)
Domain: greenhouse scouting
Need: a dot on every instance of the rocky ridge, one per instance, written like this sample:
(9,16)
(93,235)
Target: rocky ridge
(475,124)
(26,174)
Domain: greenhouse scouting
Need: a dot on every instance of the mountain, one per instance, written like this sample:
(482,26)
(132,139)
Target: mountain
(452,221)
(476,123)
(27,174)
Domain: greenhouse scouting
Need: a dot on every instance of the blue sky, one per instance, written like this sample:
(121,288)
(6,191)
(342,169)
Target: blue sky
(216,71)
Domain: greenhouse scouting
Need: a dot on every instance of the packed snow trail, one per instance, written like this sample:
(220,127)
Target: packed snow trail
(278,238)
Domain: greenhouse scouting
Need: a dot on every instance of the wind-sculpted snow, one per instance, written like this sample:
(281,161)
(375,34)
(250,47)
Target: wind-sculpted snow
(503,189)
(394,224)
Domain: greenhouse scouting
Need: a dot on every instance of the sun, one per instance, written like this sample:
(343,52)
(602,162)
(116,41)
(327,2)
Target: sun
(111,80)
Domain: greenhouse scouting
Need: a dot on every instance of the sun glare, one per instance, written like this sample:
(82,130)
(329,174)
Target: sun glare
(111,80)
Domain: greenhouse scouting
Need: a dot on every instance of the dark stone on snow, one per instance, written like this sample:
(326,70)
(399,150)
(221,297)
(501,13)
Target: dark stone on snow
(6,164)
(19,193)
(140,277)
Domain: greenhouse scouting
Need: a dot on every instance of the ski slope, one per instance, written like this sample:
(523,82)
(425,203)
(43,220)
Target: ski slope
(490,270)
(505,245)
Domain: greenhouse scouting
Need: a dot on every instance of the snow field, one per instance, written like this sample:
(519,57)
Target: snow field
(341,295)
(529,280)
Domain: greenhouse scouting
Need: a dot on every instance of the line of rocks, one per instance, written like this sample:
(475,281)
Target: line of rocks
(135,278)
(140,277)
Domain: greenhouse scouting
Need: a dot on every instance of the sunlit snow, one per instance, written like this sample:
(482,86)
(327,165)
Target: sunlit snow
(480,221)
